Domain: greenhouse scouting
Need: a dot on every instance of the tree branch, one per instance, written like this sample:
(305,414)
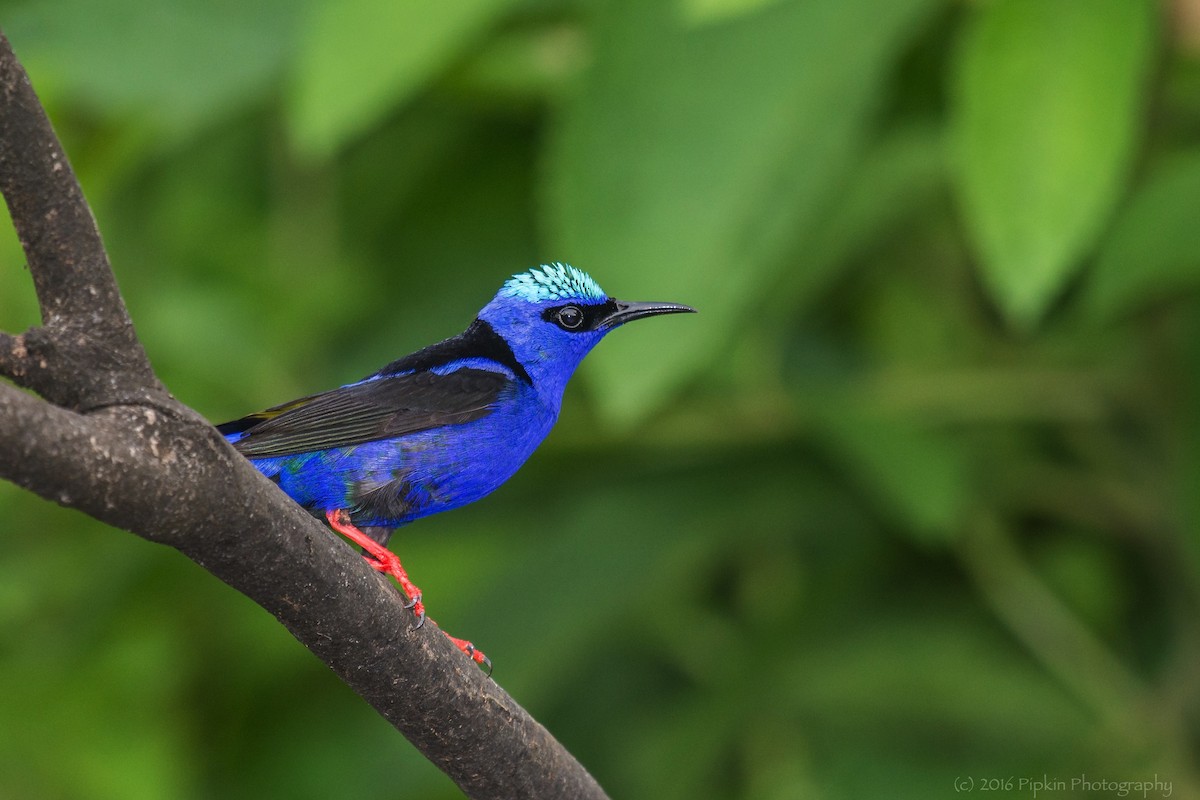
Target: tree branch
(105,437)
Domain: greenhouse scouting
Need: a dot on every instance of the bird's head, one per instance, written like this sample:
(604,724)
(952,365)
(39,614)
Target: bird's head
(553,315)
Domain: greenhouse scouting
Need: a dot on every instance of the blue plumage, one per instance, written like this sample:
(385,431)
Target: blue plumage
(448,424)
(443,426)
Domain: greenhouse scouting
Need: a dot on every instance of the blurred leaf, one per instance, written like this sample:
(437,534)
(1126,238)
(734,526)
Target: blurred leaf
(1088,578)
(1045,117)
(688,186)
(777,767)
(920,475)
(893,181)
(360,58)
(707,11)
(18,303)
(1154,248)
(170,65)
(523,64)
(898,687)
(933,672)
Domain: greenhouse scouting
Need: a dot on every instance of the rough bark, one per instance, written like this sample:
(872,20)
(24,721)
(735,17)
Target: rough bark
(98,432)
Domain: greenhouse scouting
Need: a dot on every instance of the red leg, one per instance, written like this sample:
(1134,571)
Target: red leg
(388,562)
(384,560)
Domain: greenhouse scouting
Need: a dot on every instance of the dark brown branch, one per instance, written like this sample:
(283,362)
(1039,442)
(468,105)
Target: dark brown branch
(55,226)
(81,307)
(11,353)
(106,438)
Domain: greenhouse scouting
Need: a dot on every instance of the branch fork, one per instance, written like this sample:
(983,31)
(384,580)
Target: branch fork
(97,431)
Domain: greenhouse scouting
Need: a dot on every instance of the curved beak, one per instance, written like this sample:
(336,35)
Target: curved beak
(626,311)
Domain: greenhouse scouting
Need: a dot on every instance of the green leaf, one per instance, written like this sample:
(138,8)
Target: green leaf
(361,58)
(704,12)
(18,306)
(691,157)
(1154,248)
(1045,119)
(897,178)
(180,64)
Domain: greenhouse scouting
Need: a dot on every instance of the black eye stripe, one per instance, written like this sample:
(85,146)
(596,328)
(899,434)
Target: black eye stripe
(591,315)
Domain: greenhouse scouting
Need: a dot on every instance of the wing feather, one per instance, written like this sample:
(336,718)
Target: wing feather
(382,408)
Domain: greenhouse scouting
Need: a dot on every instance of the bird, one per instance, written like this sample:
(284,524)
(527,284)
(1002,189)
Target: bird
(443,426)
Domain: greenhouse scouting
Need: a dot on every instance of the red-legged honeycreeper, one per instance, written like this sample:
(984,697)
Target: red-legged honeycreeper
(441,427)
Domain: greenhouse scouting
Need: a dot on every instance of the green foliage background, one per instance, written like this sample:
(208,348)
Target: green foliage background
(913,499)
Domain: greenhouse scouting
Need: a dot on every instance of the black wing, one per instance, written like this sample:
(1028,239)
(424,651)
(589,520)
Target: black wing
(365,412)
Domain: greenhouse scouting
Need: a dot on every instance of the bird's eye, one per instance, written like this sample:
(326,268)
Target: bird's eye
(570,317)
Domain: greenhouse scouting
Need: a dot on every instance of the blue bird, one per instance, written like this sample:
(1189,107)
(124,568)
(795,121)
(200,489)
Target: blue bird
(441,427)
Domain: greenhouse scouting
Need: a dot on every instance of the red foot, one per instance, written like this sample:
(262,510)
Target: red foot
(381,559)
(472,652)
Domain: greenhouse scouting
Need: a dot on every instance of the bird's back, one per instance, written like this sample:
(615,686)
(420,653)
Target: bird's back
(432,431)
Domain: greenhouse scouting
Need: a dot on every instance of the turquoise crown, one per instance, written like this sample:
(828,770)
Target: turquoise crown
(556,281)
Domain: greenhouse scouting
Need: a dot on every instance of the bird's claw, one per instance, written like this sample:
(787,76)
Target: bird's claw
(418,608)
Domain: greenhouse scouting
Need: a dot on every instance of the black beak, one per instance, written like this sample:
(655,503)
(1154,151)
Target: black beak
(625,312)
